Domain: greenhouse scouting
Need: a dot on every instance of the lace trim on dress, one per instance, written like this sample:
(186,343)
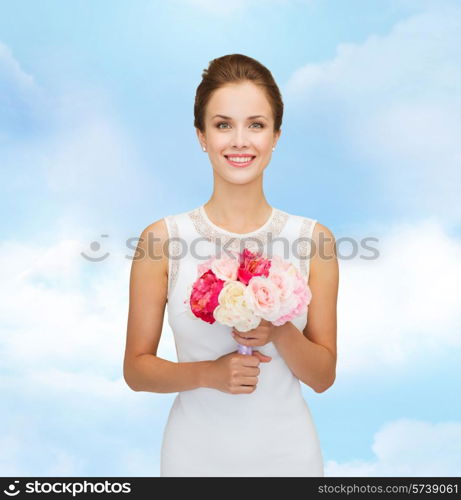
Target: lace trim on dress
(253,241)
(174,249)
(305,245)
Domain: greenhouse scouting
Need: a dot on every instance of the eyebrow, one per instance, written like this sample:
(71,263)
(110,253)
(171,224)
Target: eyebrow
(249,118)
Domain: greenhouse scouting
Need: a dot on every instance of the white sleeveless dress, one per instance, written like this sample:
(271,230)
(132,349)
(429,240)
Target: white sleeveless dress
(269,432)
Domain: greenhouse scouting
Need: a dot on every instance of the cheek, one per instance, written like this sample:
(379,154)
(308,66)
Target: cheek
(218,143)
(263,142)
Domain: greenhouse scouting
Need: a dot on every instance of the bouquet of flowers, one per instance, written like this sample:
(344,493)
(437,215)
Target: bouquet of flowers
(241,290)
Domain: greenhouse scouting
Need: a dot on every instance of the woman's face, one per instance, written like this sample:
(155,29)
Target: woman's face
(235,133)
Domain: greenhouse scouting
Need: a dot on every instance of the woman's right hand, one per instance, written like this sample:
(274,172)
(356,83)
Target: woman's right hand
(235,373)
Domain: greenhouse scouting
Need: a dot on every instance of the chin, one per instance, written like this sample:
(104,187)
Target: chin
(240,177)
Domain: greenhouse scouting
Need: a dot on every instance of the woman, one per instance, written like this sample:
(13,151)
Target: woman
(235,414)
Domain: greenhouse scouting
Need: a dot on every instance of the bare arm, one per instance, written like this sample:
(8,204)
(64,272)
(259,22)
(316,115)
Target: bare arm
(312,354)
(143,370)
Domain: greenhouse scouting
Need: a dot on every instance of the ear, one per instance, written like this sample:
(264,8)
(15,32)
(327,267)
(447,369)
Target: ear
(201,137)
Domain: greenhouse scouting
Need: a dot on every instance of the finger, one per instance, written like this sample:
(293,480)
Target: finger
(246,389)
(252,341)
(262,357)
(249,360)
(248,333)
(248,380)
(240,332)
(251,371)
(243,335)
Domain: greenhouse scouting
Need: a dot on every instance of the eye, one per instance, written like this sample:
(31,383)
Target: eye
(261,125)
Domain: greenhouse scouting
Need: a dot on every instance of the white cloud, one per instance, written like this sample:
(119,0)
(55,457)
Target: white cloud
(22,101)
(408,447)
(396,100)
(62,312)
(22,450)
(403,306)
(140,462)
(10,70)
(62,340)
(84,433)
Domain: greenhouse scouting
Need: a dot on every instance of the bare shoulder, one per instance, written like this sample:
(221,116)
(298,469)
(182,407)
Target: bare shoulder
(149,268)
(157,228)
(152,246)
(324,246)
(321,231)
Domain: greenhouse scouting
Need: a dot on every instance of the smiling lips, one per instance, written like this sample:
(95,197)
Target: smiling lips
(240,160)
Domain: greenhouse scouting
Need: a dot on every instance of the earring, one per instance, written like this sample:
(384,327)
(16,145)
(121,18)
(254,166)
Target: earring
(204,149)
(273,149)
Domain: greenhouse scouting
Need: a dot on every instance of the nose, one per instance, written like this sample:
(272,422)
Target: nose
(240,138)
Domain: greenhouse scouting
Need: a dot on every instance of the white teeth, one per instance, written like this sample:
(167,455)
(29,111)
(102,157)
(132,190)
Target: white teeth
(238,159)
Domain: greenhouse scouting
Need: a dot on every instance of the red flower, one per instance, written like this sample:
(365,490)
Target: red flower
(204,296)
(252,264)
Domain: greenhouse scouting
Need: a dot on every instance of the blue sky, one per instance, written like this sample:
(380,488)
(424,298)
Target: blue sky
(97,137)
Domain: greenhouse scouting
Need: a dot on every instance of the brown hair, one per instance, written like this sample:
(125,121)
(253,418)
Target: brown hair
(236,68)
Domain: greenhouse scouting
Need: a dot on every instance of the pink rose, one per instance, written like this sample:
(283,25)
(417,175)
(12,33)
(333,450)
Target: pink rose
(263,297)
(226,268)
(205,266)
(223,266)
(284,282)
(252,264)
(204,296)
(298,300)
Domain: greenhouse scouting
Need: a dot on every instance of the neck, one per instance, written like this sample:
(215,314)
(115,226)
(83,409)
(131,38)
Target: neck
(239,206)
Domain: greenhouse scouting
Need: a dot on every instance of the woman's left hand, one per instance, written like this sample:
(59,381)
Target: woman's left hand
(261,335)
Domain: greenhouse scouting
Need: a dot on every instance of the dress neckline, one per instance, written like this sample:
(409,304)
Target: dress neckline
(230,233)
